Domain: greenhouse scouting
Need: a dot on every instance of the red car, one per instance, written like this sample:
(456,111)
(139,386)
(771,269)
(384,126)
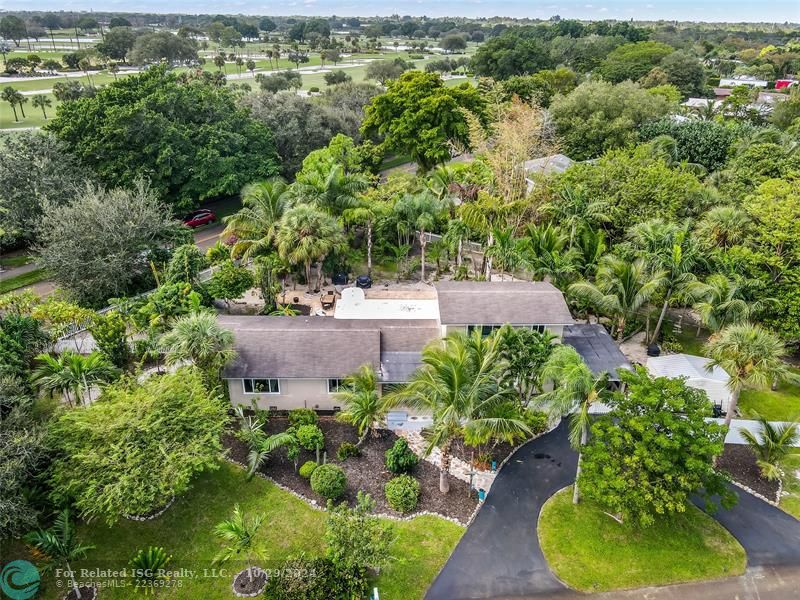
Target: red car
(196,218)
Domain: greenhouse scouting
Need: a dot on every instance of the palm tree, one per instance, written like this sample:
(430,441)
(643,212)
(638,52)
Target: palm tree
(199,338)
(307,235)
(724,301)
(751,355)
(723,226)
(332,191)
(219,61)
(42,101)
(239,535)
(575,389)
(256,224)
(545,253)
(419,212)
(84,65)
(574,211)
(620,289)
(363,406)
(505,251)
(365,213)
(11,96)
(771,445)
(461,384)
(260,445)
(457,232)
(59,546)
(671,251)
(73,374)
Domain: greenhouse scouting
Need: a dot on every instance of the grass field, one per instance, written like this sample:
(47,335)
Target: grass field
(791,483)
(592,552)
(9,284)
(292,527)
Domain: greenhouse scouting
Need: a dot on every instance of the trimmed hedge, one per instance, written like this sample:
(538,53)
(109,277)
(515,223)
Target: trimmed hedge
(402,493)
(400,458)
(328,481)
(303,416)
(310,437)
(308,469)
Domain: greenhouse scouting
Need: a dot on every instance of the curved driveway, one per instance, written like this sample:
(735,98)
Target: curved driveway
(499,555)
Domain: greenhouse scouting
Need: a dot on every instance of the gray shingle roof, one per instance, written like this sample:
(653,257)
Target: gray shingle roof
(499,302)
(319,347)
(598,350)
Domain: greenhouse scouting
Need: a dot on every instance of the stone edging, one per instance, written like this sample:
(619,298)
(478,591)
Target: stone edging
(254,594)
(154,515)
(757,495)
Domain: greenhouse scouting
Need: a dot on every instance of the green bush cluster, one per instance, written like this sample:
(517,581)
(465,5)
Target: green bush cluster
(402,493)
(330,582)
(310,437)
(400,458)
(347,450)
(328,481)
(302,416)
(536,420)
(308,469)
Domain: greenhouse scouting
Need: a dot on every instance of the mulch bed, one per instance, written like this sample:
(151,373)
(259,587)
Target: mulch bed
(243,586)
(366,473)
(87,593)
(739,462)
(466,453)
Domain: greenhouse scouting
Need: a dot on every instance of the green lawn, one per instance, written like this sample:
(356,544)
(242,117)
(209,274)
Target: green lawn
(10,284)
(791,483)
(292,526)
(591,552)
(15,261)
(781,405)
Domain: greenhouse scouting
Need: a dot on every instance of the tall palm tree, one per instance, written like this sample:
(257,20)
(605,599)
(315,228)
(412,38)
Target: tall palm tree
(10,95)
(506,251)
(256,224)
(365,212)
(59,546)
(771,445)
(199,338)
(670,250)
(363,407)
(723,226)
(419,212)
(461,384)
(575,389)
(239,536)
(43,102)
(332,191)
(457,232)
(724,301)
(306,236)
(545,253)
(752,356)
(574,211)
(73,374)
(620,289)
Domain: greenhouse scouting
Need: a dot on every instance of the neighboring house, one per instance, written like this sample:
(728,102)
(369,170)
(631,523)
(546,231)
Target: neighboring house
(292,362)
(747,80)
(547,165)
(712,381)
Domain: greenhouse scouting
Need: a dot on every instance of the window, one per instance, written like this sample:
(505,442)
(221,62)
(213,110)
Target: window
(261,386)
(335,385)
(486,330)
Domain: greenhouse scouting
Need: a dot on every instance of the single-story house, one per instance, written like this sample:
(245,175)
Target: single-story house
(546,165)
(747,80)
(291,362)
(695,369)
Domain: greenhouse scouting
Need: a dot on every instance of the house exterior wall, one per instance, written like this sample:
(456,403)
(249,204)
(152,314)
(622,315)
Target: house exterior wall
(295,393)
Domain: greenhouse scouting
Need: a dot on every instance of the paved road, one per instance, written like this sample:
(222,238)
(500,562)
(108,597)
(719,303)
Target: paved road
(499,555)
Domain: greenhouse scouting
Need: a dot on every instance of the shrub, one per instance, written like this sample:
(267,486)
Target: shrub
(402,493)
(329,581)
(400,458)
(313,89)
(328,481)
(346,450)
(302,416)
(308,469)
(416,57)
(310,437)
(536,420)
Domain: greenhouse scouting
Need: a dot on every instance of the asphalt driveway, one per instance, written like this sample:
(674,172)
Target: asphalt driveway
(499,555)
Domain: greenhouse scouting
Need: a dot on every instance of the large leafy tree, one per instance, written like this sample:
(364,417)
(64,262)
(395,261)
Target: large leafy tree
(525,352)
(137,448)
(461,383)
(418,115)
(185,134)
(702,142)
(597,116)
(752,356)
(35,170)
(516,52)
(575,389)
(101,245)
(632,61)
(653,451)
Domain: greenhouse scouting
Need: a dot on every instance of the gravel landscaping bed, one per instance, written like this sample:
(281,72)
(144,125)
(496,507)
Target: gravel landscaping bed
(366,472)
(739,462)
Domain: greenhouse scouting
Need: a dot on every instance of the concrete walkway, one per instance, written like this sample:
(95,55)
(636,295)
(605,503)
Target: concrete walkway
(499,555)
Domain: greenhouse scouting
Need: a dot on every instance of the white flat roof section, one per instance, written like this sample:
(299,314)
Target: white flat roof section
(354,305)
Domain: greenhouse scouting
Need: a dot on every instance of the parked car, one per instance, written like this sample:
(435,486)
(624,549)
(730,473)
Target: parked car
(199,217)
